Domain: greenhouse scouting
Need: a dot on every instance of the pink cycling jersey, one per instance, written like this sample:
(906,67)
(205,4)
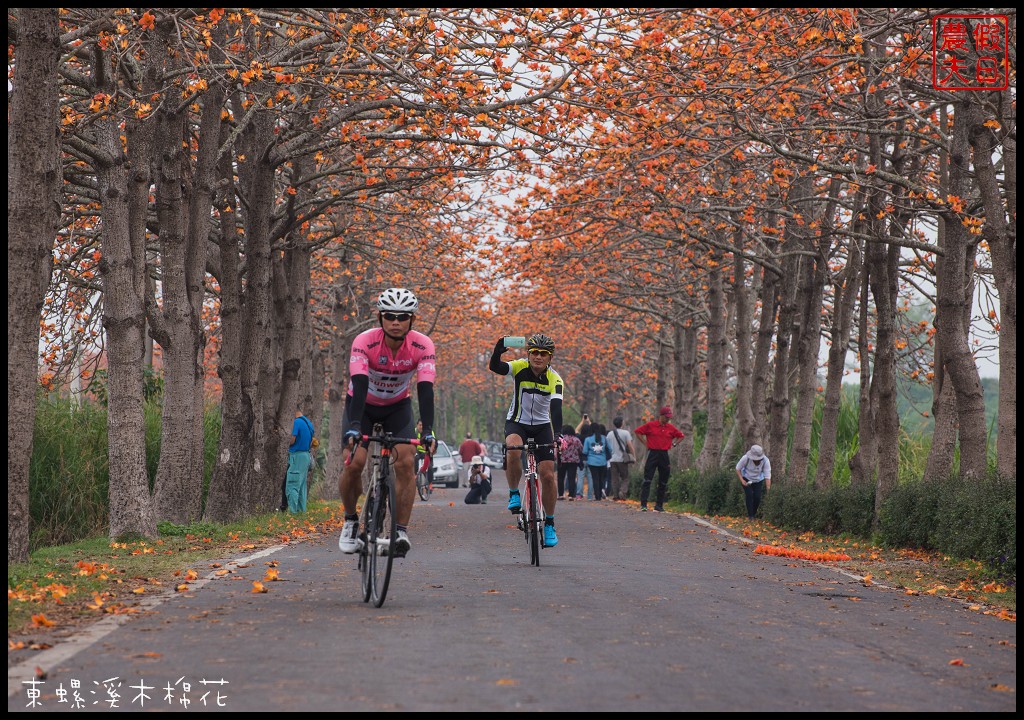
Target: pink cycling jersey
(391,373)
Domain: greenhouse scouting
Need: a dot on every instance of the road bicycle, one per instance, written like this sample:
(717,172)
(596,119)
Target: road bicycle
(424,487)
(531,519)
(377,522)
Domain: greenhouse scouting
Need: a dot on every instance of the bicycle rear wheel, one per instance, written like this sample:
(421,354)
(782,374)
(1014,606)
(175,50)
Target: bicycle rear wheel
(382,536)
(534,522)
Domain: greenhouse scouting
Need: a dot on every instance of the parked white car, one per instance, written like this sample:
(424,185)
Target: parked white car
(493,457)
(446,468)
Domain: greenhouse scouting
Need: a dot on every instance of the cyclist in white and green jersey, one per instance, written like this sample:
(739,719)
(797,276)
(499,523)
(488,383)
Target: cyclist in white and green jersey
(536,405)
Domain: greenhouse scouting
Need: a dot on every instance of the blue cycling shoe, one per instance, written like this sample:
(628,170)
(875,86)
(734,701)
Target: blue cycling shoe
(515,504)
(550,538)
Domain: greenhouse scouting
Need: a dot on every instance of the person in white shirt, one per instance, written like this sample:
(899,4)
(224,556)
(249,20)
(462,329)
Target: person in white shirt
(755,473)
(623,455)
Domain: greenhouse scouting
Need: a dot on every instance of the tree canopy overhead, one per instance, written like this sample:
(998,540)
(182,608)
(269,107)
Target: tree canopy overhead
(688,200)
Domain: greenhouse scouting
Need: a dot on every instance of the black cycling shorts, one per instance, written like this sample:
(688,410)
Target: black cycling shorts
(543,434)
(396,419)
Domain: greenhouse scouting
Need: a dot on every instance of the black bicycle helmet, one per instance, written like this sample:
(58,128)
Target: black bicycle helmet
(541,342)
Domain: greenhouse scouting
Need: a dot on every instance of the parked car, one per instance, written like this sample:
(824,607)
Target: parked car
(493,457)
(446,469)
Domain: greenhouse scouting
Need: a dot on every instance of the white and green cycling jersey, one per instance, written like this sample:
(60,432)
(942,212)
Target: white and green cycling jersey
(531,402)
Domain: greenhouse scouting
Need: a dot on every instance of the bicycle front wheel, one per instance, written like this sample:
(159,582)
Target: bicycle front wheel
(534,522)
(365,554)
(382,537)
(422,485)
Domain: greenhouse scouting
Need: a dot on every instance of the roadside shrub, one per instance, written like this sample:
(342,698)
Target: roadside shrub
(714,493)
(978,521)
(970,520)
(831,511)
(907,517)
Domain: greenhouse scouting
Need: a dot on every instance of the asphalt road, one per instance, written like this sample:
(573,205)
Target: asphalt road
(631,611)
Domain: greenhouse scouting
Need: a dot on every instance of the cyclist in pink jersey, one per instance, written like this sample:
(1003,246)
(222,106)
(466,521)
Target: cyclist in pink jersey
(382,365)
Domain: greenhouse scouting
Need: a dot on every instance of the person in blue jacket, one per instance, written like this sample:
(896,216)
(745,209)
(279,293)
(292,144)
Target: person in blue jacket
(597,455)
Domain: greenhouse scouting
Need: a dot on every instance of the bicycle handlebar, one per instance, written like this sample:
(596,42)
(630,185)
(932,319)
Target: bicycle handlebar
(389,441)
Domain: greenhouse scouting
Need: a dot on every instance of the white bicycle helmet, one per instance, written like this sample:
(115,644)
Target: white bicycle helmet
(397,300)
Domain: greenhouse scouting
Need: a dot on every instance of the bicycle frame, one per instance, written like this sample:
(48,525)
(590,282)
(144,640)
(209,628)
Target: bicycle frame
(377,522)
(531,518)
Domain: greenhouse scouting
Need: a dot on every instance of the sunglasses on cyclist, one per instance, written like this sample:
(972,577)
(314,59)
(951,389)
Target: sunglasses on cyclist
(537,351)
(400,317)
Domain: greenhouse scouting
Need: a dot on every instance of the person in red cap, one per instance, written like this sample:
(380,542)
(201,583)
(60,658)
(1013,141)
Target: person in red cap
(659,436)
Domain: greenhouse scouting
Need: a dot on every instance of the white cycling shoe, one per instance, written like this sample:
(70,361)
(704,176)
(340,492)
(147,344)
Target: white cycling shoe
(349,541)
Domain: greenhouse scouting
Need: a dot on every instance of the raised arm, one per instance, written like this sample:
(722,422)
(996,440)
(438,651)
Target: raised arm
(497,365)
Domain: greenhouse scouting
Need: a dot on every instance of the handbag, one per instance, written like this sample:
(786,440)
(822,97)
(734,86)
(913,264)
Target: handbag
(627,456)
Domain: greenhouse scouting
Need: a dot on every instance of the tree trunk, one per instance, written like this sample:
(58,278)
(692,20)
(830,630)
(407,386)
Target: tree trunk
(842,321)
(768,297)
(950,306)
(943,450)
(295,352)
(184,208)
(808,346)
(123,271)
(862,464)
(884,290)
(177,492)
(33,214)
(661,379)
(1000,233)
(241,484)
(687,337)
(778,421)
(744,332)
(340,345)
(708,459)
